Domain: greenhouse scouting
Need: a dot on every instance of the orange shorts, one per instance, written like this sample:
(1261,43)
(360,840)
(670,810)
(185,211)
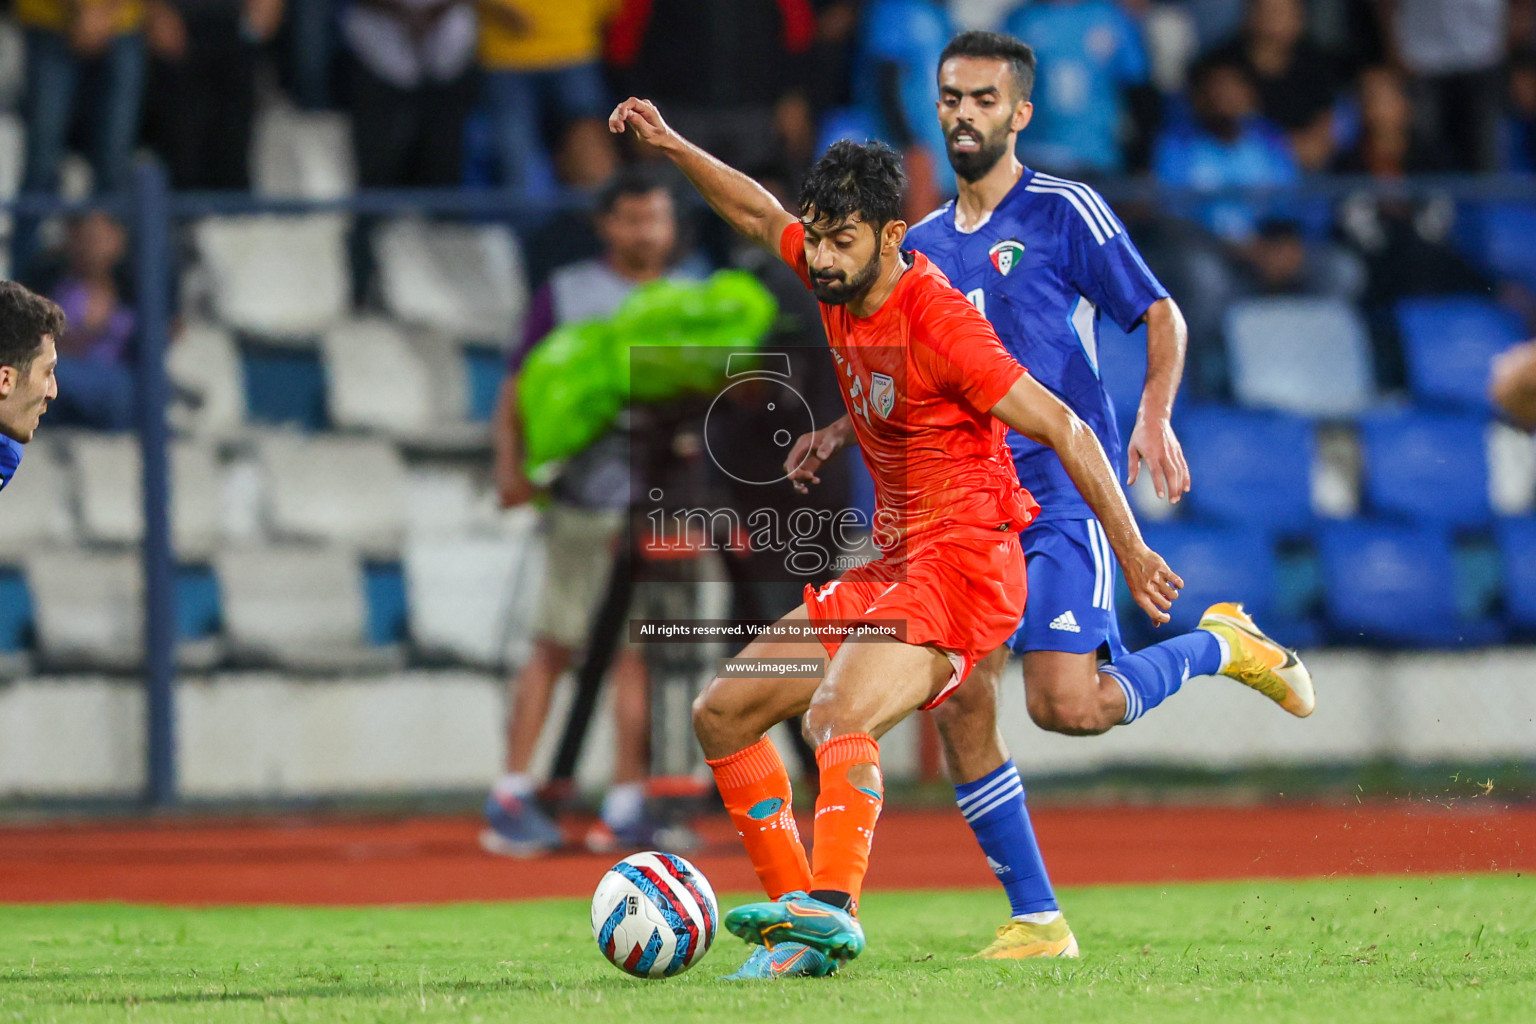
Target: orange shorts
(962,592)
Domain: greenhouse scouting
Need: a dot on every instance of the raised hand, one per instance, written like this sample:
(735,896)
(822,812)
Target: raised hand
(645,119)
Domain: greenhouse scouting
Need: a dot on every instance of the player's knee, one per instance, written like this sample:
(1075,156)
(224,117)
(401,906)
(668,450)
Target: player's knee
(1056,712)
(710,713)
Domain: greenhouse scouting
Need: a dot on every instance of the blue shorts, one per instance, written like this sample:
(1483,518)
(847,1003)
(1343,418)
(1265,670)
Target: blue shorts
(1071,605)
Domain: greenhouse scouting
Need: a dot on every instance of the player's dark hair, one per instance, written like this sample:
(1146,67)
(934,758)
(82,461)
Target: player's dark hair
(854,178)
(25,318)
(997,46)
(626,183)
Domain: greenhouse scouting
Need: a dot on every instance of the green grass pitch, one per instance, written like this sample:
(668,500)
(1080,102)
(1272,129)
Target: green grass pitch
(1338,951)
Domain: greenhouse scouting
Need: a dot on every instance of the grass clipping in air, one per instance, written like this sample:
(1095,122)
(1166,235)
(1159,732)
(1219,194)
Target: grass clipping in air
(1357,949)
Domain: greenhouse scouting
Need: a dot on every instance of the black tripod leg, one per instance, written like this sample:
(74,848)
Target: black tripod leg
(602,643)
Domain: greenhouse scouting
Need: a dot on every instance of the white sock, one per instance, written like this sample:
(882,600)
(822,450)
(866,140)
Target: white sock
(1226,652)
(513,786)
(623,804)
(1040,917)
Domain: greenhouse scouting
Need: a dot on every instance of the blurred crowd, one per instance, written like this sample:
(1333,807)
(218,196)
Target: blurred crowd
(1211,95)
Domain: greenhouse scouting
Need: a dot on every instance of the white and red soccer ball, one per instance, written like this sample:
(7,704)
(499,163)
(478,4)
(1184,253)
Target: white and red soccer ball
(654,915)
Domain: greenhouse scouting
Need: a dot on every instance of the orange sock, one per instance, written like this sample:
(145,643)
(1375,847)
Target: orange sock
(845,814)
(757,794)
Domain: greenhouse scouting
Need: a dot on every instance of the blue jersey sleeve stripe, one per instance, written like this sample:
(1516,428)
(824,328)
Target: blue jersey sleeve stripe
(1072,197)
(1094,199)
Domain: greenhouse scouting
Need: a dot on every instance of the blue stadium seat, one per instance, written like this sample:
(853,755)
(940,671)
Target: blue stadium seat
(197,602)
(1123,369)
(1427,467)
(384,586)
(1517,558)
(15,611)
(1308,356)
(1499,236)
(484,369)
(1450,343)
(1390,584)
(284,385)
(1217,563)
(1247,467)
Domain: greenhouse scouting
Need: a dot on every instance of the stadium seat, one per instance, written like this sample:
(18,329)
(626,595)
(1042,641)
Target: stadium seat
(204,365)
(465,280)
(1123,369)
(375,379)
(36,505)
(339,489)
(280,277)
(1308,356)
(1217,564)
(12,155)
(301,607)
(284,385)
(89,609)
(1427,467)
(1248,468)
(1450,343)
(1511,470)
(302,154)
(469,596)
(1500,236)
(107,475)
(15,624)
(1390,584)
(1517,557)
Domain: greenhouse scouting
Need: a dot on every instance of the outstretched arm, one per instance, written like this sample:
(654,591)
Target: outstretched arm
(1042,417)
(741,202)
(1153,439)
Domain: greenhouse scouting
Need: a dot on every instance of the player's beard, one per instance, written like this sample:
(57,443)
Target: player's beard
(841,290)
(973,164)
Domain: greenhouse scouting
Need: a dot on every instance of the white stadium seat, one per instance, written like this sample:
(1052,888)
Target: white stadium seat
(281,277)
(36,505)
(88,608)
(1309,356)
(341,489)
(463,279)
(204,364)
(298,606)
(107,474)
(376,379)
(471,597)
(302,155)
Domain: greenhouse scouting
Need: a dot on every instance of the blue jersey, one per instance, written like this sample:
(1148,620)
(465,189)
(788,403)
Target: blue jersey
(1052,259)
(10,459)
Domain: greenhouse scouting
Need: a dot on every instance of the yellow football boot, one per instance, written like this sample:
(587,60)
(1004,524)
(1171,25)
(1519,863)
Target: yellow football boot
(1021,940)
(1259,662)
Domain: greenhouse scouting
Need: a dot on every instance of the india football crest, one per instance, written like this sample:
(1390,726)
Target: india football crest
(1005,255)
(882,393)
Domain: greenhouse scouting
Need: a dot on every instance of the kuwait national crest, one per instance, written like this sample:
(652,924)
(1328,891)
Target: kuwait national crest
(1005,255)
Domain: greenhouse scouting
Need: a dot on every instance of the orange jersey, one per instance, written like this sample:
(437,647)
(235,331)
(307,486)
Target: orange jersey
(919,378)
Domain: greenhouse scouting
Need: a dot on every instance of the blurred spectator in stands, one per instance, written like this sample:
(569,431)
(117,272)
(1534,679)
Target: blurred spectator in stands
(896,89)
(1226,145)
(411,89)
(1519,133)
(731,76)
(1281,261)
(202,86)
(583,524)
(586,162)
(833,53)
(543,73)
(1389,144)
(1452,51)
(1297,81)
(96,380)
(309,52)
(1090,53)
(85,60)
(1512,385)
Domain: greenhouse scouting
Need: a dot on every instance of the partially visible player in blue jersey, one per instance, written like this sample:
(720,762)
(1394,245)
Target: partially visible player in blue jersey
(1044,258)
(29,327)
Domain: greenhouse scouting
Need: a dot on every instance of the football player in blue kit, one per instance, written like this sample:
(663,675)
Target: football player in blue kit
(1044,258)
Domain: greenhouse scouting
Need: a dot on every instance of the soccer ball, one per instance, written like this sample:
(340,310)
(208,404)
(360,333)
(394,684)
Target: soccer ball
(654,915)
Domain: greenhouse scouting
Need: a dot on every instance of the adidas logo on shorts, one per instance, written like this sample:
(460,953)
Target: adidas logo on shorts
(1066,622)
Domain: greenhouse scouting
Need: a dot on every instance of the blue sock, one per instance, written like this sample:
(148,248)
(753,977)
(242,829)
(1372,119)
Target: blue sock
(993,806)
(1153,674)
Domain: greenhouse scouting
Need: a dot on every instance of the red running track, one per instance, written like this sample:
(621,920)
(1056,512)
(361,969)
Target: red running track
(436,859)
